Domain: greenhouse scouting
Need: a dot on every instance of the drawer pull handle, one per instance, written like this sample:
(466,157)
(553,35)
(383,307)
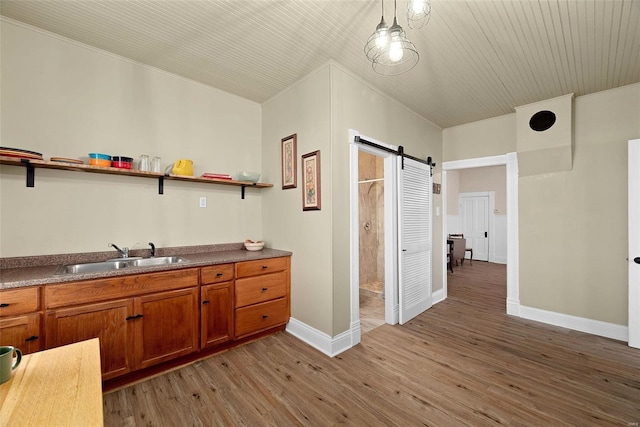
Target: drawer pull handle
(265,289)
(31,338)
(264,316)
(137,316)
(4,304)
(264,267)
(219,274)
(205,301)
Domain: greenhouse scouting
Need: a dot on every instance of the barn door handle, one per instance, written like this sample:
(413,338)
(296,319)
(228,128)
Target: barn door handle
(637,260)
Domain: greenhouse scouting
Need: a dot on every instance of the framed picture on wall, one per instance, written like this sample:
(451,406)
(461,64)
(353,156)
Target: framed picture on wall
(311,181)
(288,147)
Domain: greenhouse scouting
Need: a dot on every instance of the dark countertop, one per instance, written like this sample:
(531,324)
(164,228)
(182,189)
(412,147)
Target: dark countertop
(24,272)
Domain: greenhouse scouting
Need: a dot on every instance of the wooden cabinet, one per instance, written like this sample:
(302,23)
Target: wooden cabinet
(111,322)
(167,327)
(20,319)
(261,295)
(216,308)
(138,325)
(148,319)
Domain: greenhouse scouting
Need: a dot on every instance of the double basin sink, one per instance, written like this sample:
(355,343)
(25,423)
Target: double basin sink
(119,264)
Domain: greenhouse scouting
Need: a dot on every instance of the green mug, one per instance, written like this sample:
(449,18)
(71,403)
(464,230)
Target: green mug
(8,362)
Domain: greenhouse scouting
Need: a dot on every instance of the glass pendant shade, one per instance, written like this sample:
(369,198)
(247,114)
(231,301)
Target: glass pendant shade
(418,13)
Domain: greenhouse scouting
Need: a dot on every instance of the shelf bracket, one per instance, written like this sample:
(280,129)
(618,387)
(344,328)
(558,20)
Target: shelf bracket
(161,185)
(31,173)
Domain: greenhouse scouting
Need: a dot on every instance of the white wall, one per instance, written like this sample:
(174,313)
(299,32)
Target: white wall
(304,109)
(320,109)
(63,98)
(572,224)
(358,106)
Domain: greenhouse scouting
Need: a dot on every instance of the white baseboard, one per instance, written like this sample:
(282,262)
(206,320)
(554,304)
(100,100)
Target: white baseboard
(438,296)
(590,326)
(499,259)
(331,346)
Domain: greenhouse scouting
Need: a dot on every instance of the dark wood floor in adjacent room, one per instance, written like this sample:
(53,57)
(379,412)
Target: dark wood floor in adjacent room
(463,362)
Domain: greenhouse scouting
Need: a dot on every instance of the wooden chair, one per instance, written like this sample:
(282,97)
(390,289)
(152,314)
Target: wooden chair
(470,250)
(458,250)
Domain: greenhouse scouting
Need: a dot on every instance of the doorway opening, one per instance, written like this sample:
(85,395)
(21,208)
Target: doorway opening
(508,224)
(371,240)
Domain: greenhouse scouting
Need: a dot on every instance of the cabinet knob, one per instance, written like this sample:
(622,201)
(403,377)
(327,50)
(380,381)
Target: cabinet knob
(4,304)
(31,338)
(264,316)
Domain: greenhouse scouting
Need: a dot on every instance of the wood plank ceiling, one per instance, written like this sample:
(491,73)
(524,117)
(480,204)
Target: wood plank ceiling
(478,59)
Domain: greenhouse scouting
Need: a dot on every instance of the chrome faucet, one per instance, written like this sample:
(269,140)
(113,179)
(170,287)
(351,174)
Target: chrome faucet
(124,251)
(153,249)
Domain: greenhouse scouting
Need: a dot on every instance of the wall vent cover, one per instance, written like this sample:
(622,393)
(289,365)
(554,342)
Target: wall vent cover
(542,120)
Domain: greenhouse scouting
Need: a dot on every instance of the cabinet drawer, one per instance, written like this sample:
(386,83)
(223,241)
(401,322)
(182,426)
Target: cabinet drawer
(258,317)
(19,301)
(257,289)
(261,266)
(118,287)
(216,273)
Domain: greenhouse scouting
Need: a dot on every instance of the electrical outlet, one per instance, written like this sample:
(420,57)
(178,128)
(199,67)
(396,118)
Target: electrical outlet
(203,202)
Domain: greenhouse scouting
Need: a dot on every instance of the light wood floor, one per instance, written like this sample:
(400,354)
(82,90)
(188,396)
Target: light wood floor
(463,362)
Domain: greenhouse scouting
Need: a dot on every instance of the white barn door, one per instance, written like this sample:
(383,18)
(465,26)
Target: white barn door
(634,243)
(414,238)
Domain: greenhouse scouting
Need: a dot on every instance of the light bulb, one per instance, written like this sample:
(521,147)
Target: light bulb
(382,38)
(417,6)
(395,51)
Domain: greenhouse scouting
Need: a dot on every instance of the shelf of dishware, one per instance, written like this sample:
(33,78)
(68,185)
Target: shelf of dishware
(32,164)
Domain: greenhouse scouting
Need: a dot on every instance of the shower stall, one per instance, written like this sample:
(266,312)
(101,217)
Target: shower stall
(371,216)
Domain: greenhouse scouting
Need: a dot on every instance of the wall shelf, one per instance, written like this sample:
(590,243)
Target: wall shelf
(30,166)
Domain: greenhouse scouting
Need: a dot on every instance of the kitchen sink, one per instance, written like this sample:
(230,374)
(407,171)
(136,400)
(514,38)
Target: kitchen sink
(112,265)
(161,260)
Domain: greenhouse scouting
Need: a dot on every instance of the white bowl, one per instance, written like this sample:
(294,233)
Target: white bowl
(247,176)
(254,246)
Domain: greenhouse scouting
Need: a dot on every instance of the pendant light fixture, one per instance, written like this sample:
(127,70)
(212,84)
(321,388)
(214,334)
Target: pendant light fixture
(378,40)
(397,55)
(418,13)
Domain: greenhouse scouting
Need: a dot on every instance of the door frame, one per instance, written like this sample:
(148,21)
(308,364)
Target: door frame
(510,160)
(391,308)
(491,218)
(634,246)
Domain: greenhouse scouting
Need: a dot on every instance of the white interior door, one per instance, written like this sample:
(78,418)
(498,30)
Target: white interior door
(414,238)
(474,213)
(634,243)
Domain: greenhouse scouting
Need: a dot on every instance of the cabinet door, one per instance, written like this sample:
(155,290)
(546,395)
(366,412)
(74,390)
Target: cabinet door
(168,327)
(111,322)
(22,332)
(217,314)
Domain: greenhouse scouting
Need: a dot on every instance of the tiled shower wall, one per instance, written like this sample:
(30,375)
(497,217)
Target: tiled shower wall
(371,215)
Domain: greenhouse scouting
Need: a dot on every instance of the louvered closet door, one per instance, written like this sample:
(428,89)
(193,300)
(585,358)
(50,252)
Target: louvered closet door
(414,238)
